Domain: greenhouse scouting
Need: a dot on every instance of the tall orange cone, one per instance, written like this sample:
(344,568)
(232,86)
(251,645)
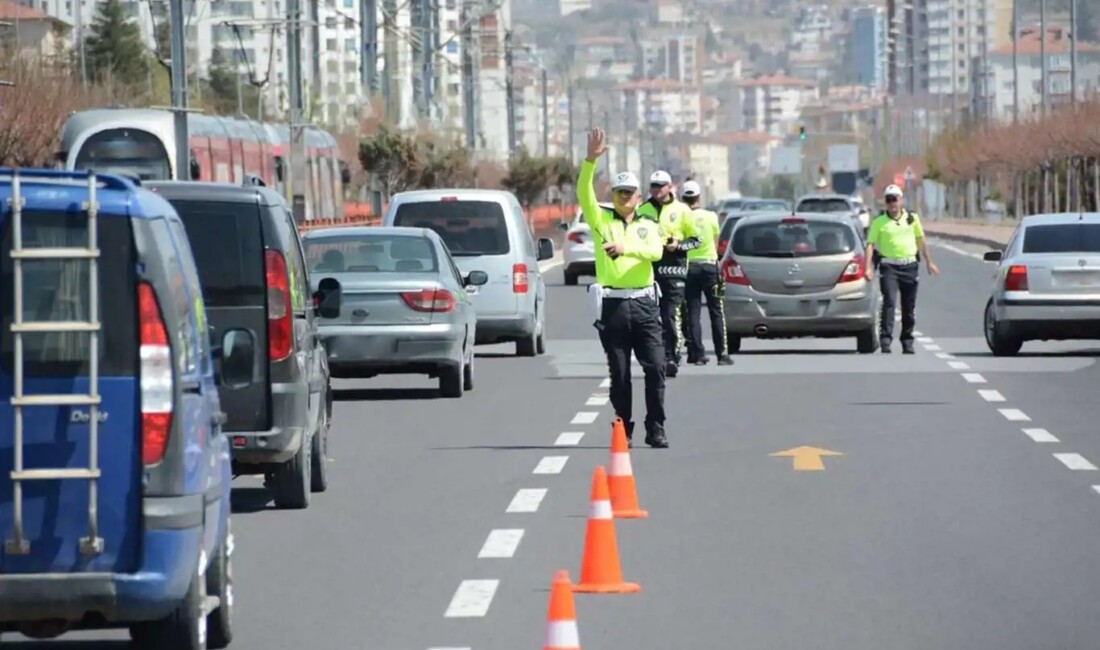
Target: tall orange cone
(624,495)
(561,620)
(600,569)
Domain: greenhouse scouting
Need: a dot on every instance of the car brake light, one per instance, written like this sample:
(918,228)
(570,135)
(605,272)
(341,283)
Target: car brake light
(792,220)
(732,273)
(576,237)
(279,317)
(854,271)
(722,245)
(157,383)
(1016,279)
(429,300)
(519,278)
(448,199)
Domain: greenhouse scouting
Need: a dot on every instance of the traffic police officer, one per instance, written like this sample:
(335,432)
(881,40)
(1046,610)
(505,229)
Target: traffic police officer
(627,243)
(895,244)
(703,281)
(679,236)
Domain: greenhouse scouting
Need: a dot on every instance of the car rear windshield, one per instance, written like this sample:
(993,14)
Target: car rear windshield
(58,290)
(469,228)
(227,243)
(824,205)
(370,254)
(727,227)
(765,205)
(793,238)
(1063,238)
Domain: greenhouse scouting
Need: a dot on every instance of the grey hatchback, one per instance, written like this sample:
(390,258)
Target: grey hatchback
(800,275)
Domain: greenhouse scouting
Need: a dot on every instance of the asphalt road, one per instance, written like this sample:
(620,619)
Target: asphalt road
(961,513)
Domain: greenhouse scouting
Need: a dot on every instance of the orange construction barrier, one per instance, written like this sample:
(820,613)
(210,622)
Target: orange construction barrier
(601,572)
(561,620)
(624,495)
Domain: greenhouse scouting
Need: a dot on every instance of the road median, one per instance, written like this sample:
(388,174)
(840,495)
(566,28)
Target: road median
(971,232)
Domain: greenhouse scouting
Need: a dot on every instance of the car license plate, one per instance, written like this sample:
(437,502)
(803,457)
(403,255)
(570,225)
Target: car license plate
(792,309)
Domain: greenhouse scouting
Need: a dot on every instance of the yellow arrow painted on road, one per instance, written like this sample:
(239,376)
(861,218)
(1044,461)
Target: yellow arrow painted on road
(807,459)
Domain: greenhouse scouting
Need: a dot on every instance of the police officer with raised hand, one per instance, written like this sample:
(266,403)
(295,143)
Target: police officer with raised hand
(895,244)
(703,281)
(627,243)
(679,236)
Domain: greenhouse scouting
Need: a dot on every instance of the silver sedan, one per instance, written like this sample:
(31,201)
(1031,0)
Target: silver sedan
(1047,284)
(392,301)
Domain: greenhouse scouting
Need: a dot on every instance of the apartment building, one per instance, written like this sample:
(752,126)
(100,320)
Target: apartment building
(771,103)
(866,54)
(662,106)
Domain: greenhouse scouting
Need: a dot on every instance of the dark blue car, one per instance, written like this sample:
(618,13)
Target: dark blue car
(114,471)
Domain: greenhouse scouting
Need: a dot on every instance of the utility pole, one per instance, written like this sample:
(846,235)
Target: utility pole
(569,99)
(431,45)
(368,51)
(1043,51)
(545,118)
(390,56)
(467,46)
(315,46)
(179,88)
(510,92)
(1015,61)
(294,79)
(1073,51)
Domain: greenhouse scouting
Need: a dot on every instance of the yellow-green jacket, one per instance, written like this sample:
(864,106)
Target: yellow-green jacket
(677,224)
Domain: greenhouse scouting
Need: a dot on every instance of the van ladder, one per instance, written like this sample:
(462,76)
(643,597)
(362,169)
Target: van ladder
(93,543)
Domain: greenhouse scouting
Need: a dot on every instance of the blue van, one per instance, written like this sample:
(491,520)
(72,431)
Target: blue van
(114,472)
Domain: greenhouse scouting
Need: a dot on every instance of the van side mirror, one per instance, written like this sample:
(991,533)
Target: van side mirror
(238,358)
(993,256)
(546,249)
(476,279)
(326,301)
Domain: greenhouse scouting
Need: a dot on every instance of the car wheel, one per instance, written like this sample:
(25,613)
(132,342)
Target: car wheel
(998,335)
(468,374)
(219,581)
(540,340)
(451,381)
(294,479)
(319,458)
(528,345)
(183,629)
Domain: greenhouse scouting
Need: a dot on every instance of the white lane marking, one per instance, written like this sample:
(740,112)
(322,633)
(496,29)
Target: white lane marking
(1015,415)
(606,383)
(1075,462)
(472,599)
(527,500)
(923,339)
(597,400)
(1096,488)
(551,465)
(916,333)
(958,251)
(958,365)
(932,347)
(501,543)
(569,438)
(585,417)
(990,395)
(1040,435)
(973,378)
(944,355)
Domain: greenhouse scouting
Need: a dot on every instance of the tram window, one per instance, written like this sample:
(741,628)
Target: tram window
(128,151)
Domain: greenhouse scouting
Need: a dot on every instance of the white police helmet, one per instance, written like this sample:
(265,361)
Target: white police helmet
(625,181)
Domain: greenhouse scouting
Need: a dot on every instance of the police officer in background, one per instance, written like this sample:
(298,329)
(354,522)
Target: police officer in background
(703,281)
(627,242)
(895,244)
(679,237)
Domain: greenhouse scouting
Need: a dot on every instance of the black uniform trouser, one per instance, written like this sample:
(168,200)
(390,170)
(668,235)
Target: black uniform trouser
(673,291)
(898,281)
(703,282)
(634,325)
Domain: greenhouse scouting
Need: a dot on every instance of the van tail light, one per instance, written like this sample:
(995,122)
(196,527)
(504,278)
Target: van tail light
(732,273)
(280,320)
(856,270)
(157,383)
(722,245)
(429,300)
(1016,278)
(576,237)
(519,278)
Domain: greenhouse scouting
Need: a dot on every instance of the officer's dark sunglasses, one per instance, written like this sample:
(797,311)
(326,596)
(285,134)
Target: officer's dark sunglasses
(657,186)
(625,193)
(891,199)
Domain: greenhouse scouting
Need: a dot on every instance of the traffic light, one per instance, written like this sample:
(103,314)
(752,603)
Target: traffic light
(801,133)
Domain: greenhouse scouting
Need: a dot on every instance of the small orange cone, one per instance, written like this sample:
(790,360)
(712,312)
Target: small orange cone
(600,569)
(561,620)
(624,496)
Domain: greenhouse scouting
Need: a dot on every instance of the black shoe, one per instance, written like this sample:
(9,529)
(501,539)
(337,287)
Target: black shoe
(655,436)
(725,360)
(671,369)
(884,346)
(629,434)
(907,348)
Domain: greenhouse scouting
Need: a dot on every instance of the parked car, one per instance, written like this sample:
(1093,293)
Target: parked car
(486,230)
(578,254)
(134,531)
(253,274)
(1047,284)
(835,204)
(799,275)
(733,204)
(403,305)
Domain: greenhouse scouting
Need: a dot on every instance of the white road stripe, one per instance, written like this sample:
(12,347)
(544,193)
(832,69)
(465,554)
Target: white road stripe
(973,378)
(472,599)
(606,383)
(1015,415)
(923,339)
(916,333)
(944,355)
(1040,435)
(551,465)
(1096,488)
(569,438)
(501,543)
(527,500)
(585,417)
(597,400)
(1075,462)
(932,347)
(990,395)
(957,250)
(958,365)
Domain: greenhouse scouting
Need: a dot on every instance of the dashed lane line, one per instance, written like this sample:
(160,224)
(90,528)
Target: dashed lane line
(569,439)
(527,500)
(924,339)
(973,378)
(606,383)
(944,355)
(959,365)
(1040,435)
(991,395)
(551,465)
(1015,415)
(501,543)
(932,347)
(1076,462)
(472,599)
(585,417)
(597,400)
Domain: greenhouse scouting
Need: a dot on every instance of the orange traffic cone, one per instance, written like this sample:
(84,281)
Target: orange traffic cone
(624,496)
(600,569)
(561,620)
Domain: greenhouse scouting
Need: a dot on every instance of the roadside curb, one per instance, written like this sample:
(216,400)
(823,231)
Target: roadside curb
(968,239)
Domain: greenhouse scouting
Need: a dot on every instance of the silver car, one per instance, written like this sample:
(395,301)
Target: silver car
(800,275)
(835,204)
(403,305)
(1047,284)
(579,256)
